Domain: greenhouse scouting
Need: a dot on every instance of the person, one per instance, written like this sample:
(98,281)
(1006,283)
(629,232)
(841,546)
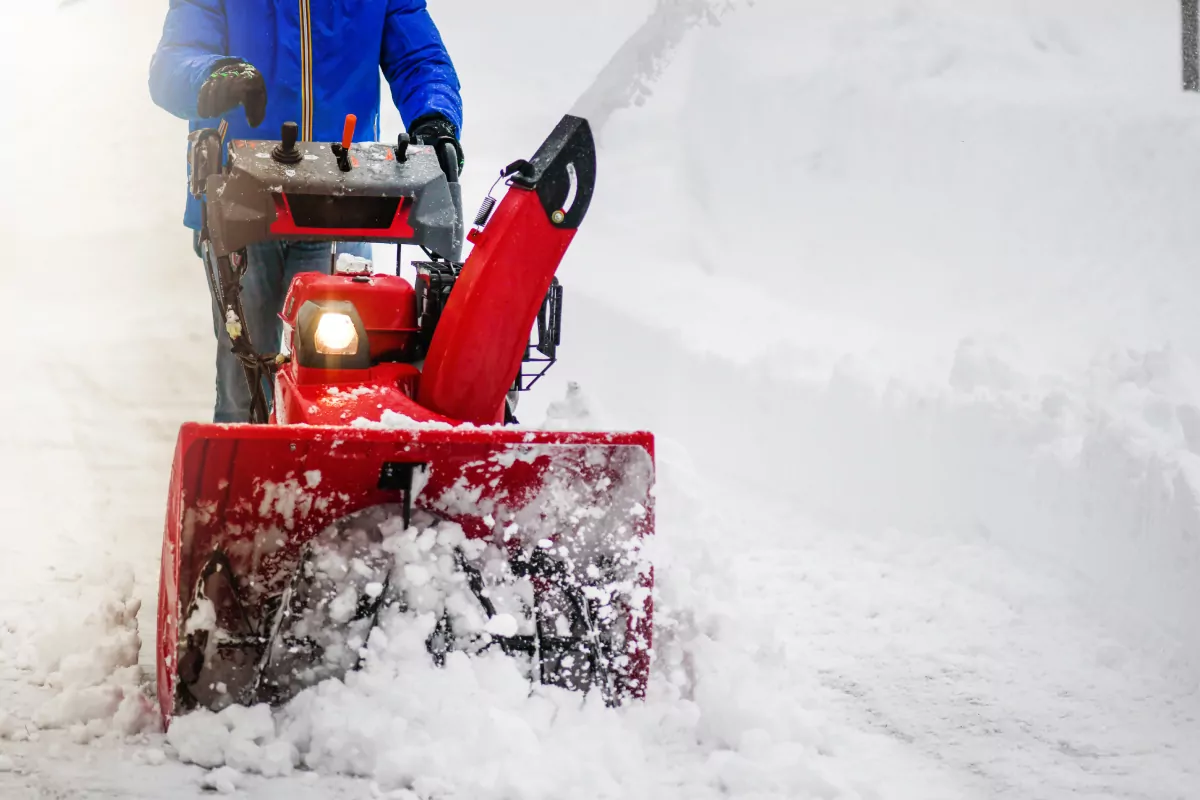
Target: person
(247,67)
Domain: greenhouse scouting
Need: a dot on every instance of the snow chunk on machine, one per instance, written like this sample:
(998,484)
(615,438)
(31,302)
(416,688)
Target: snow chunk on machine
(391,438)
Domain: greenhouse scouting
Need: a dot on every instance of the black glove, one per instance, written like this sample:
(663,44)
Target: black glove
(434,128)
(231,84)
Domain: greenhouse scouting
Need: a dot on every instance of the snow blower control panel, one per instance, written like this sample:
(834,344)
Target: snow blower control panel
(339,191)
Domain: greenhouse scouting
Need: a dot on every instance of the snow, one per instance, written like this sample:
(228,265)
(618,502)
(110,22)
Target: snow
(223,781)
(395,421)
(203,618)
(905,289)
(572,413)
(233,325)
(349,264)
(502,625)
(289,499)
(89,664)
(238,737)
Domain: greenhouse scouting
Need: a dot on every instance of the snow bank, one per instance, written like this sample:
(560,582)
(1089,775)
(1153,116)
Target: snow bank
(88,666)
(937,275)
(1094,475)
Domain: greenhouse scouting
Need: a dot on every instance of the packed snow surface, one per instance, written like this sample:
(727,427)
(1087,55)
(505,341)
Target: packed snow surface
(906,289)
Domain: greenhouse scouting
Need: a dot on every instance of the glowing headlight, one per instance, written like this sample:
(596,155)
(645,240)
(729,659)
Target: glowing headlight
(336,335)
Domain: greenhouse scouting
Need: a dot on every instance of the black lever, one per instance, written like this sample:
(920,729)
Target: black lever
(343,156)
(286,152)
(526,173)
(342,149)
(402,144)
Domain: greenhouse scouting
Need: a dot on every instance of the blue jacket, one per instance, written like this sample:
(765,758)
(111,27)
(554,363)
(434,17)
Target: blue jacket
(320,59)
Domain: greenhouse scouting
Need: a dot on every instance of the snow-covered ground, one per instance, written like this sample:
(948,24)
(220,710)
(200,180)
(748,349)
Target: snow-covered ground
(905,287)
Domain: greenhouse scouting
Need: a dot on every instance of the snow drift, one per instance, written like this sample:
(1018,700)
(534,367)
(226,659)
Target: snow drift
(934,265)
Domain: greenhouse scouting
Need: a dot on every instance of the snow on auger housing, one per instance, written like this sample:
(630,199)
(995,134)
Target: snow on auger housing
(389,455)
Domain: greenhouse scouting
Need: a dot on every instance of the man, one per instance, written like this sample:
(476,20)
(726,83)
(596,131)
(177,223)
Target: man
(247,66)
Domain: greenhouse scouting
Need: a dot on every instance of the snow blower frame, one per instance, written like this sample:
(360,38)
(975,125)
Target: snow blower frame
(390,411)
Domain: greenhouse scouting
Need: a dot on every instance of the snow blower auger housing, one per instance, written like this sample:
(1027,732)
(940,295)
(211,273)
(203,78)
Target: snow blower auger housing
(387,476)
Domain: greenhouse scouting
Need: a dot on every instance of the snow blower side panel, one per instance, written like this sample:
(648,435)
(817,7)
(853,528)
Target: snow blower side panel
(245,501)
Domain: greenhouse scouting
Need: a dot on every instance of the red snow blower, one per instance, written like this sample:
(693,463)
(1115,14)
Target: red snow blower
(390,452)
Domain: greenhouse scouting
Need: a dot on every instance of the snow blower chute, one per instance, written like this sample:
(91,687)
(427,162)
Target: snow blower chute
(391,438)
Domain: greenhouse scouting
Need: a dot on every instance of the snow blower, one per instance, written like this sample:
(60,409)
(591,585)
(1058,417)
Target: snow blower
(389,439)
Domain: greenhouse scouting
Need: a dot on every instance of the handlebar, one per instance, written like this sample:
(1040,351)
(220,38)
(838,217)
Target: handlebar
(447,154)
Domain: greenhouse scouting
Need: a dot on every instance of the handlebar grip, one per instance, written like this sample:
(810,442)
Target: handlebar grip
(447,155)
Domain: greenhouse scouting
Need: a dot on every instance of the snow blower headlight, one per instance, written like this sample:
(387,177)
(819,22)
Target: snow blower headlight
(330,335)
(336,335)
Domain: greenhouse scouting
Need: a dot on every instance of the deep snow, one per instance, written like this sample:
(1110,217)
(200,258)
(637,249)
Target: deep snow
(904,287)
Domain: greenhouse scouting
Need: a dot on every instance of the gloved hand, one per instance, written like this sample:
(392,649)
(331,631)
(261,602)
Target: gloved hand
(232,84)
(432,128)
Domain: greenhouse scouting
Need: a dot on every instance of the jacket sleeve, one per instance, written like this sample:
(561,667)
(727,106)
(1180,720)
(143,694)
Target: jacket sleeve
(194,41)
(417,66)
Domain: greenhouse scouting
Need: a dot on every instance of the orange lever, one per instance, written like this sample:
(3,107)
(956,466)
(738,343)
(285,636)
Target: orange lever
(348,131)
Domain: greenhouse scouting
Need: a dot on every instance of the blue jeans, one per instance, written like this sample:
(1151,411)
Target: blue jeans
(269,272)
